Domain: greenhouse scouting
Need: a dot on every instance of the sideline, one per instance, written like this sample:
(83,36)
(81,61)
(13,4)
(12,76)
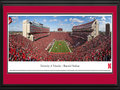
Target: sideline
(51,47)
(68,46)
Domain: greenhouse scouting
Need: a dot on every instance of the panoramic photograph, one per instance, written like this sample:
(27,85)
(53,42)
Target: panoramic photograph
(60,37)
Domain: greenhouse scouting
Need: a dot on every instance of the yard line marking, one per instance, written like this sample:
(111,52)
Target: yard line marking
(68,46)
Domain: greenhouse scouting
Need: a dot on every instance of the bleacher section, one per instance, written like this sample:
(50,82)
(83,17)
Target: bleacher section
(22,49)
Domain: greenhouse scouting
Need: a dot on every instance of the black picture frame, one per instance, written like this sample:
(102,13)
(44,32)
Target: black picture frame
(54,3)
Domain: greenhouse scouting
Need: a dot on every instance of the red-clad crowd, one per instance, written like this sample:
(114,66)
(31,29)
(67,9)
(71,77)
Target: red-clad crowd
(98,49)
(38,36)
(22,49)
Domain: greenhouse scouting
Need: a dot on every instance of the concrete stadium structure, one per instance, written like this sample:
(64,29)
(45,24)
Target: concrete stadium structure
(32,28)
(90,30)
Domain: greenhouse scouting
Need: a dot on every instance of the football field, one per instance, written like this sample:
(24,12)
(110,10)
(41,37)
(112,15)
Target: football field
(60,47)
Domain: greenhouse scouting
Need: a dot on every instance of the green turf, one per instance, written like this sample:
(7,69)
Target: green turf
(60,46)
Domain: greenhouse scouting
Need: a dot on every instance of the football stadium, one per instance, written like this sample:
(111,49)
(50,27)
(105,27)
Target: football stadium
(38,43)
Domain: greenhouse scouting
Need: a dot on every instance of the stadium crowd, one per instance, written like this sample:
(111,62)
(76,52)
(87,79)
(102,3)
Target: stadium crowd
(38,36)
(22,49)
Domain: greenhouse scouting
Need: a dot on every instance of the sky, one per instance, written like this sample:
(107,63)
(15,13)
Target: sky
(59,21)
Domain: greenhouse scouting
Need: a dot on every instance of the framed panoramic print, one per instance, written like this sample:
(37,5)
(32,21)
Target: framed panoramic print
(60,44)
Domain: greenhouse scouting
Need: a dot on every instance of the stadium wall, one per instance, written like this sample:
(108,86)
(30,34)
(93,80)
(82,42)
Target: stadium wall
(95,27)
(26,28)
(31,28)
(91,29)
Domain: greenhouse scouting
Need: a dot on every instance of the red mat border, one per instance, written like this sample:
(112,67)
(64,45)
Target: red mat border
(59,78)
